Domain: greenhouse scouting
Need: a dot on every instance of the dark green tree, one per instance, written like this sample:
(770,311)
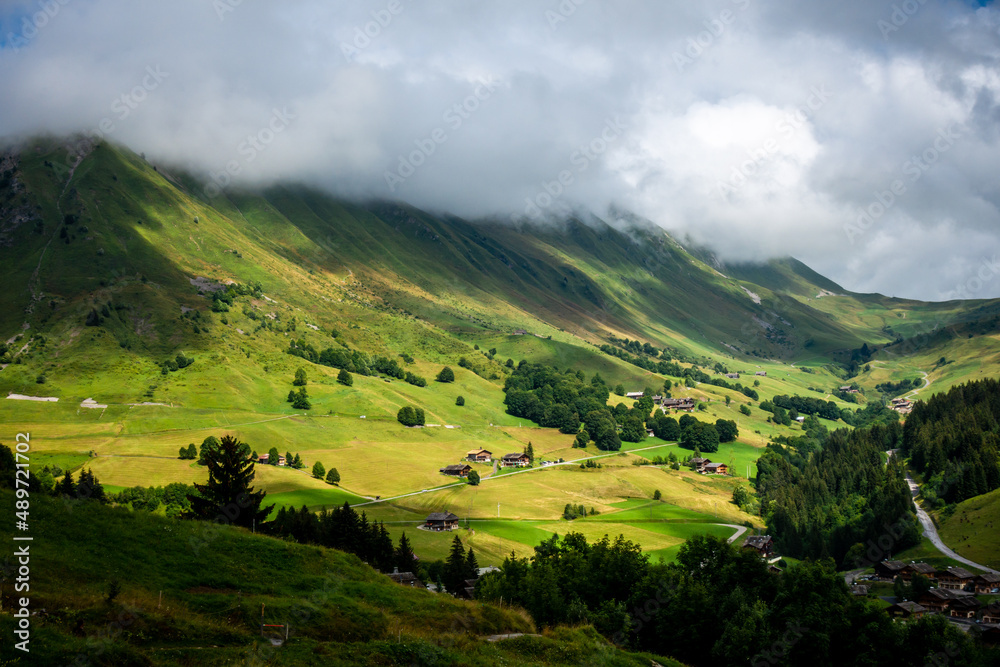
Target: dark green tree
(209,446)
(273,456)
(300,378)
(530,451)
(446,375)
(403,556)
(454,568)
(633,430)
(460,400)
(319,470)
(66,485)
(727,430)
(301,400)
(333,477)
(228,496)
(473,478)
(582,438)
(345,378)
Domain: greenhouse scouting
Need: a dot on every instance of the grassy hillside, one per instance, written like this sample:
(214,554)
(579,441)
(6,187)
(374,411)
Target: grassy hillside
(972,530)
(192,593)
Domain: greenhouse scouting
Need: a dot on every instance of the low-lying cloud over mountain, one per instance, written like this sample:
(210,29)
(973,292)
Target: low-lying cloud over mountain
(861,137)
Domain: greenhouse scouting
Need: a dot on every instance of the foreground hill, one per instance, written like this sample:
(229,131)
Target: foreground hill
(147,590)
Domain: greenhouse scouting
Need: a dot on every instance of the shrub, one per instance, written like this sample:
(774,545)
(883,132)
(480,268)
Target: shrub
(460,400)
(345,378)
(446,375)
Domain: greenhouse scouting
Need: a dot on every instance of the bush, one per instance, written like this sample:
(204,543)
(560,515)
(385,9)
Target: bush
(460,400)
(446,375)
(345,378)
(410,416)
(333,477)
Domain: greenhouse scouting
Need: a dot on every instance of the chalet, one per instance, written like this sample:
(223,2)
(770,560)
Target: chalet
(992,614)
(716,469)
(762,544)
(955,578)
(848,389)
(733,376)
(986,583)
(458,470)
(515,460)
(263,458)
(634,395)
(940,600)
(698,463)
(657,399)
(679,403)
(917,568)
(906,610)
(520,332)
(889,569)
(406,578)
(479,456)
(902,406)
(774,569)
(761,373)
(441,521)
(965,607)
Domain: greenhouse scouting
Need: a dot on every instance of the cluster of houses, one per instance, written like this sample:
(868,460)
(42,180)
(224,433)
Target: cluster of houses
(516,460)
(686,404)
(848,389)
(955,595)
(706,467)
(902,406)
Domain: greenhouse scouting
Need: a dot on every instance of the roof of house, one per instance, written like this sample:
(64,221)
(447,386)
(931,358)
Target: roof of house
(922,568)
(716,465)
(514,457)
(697,460)
(959,572)
(911,607)
(989,578)
(947,594)
(478,451)
(442,516)
(457,466)
(894,565)
(406,578)
(758,541)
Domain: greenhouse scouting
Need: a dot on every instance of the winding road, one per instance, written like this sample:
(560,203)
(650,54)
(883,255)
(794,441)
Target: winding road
(930,531)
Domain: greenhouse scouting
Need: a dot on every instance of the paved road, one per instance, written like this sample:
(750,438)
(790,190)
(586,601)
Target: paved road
(930,532)
(739,531)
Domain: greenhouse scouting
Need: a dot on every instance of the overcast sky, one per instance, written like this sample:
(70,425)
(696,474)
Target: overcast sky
(761,129)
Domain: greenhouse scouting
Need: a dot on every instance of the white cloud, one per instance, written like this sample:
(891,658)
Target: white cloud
(362,85)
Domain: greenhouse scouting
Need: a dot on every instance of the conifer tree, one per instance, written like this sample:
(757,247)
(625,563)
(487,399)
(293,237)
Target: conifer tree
(228,496)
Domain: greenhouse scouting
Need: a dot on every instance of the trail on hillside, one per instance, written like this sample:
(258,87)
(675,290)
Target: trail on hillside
(927,383)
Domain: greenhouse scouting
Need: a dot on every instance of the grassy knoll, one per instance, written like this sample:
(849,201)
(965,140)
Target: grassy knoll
(189,595)
(972,531)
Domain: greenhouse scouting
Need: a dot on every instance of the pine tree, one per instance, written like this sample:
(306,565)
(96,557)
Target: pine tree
(530,451)
(319,470)
(454,568)
(66,485)
(471,565)
(297,463)
(333,477)
(272,456)
(403,556)
(228,496)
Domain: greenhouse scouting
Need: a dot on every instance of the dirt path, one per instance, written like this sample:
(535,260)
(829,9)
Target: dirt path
(927,383)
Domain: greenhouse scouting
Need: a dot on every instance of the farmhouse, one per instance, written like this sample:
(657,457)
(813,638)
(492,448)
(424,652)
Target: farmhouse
(716,469)
(992,613)
(634,395)
(966,607)
(902,406)
(918,568)
(459,470)
(406,578)
(955,578)
(698,463)
(515,460)
(940,600)
(441,521)
(987,583)
(679,403)
(733,376)
(906,610)
(889,569)
(761,373)
(762,544)
(480,456)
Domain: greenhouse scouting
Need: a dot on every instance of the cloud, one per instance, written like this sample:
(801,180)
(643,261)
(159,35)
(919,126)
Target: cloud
(759,129)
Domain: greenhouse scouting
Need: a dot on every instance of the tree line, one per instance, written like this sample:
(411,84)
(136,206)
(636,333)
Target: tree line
(953,439)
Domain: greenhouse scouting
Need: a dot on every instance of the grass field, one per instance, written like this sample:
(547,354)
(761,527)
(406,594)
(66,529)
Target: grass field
(973,531)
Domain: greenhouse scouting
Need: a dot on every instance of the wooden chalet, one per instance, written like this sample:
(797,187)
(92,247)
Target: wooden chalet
(716,469)
(635,395)
(906,610)
(991,614)
(733,376)
(406,578)
(520,460)
(986,583)
(698,463)
(965,607)
(480,456)
(762,544)
(679,404)
(889,569)
(918,568)
(441,521)
(761,373)
(458,470)
(955,578)
(941,600)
